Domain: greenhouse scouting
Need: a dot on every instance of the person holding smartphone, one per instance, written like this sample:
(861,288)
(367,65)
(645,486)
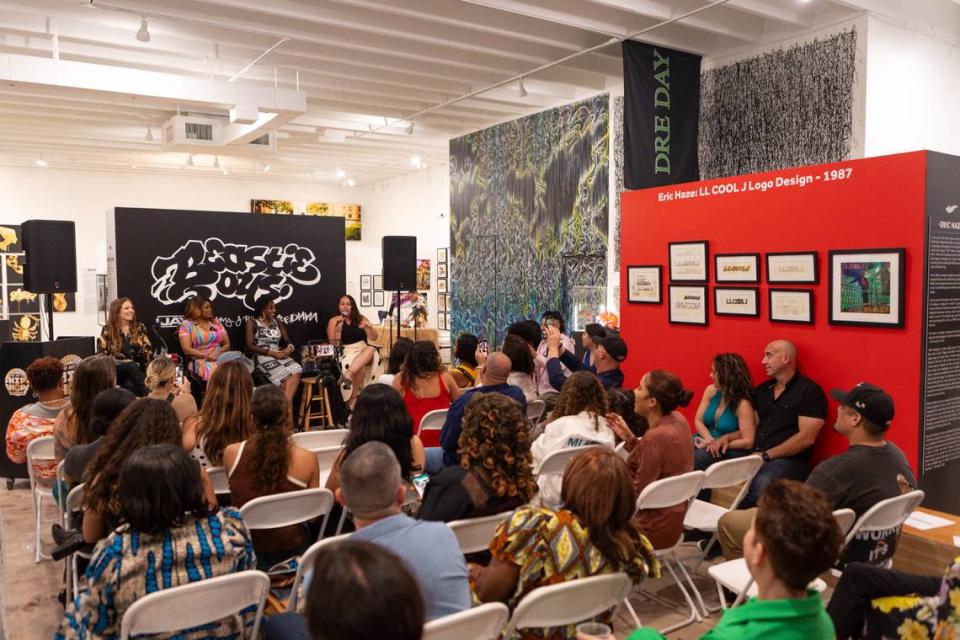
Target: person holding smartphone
(551,320)
(163,385)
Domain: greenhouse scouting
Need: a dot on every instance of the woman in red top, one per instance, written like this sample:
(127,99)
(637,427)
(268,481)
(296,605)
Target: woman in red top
(426,385)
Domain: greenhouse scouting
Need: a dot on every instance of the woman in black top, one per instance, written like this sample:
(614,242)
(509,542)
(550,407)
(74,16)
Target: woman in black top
(126,341)
(352,331)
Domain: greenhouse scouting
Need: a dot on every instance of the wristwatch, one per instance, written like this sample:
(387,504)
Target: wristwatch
(765,456)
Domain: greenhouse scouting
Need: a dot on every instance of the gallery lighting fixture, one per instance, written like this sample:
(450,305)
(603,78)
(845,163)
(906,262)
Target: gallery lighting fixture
(409,129)
(216,162)
(190,160)
(149,136)
(522,90)
(266,167)
(416,162)
(143,35)
(351,182)
(341,173)
(225,169)
(41,162)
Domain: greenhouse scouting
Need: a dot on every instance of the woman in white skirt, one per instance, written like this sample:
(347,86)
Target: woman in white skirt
(265,335)
(353,332)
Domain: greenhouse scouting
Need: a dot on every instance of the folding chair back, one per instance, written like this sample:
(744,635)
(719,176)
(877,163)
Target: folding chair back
(221,483)
(285,509)
(845,519)
(313,440)
(886,514)
(39,450)
(621,450)
(535,410)
(475,534)
(479,623)
(672,491)
(569,602)
(306,561)
(197,603)
(433,420)
(557,461)
(730,473)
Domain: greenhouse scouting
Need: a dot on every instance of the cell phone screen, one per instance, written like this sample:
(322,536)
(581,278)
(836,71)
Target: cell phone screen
(420,483)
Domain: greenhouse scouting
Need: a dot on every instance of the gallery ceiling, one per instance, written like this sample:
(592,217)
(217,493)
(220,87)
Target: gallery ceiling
(89,83)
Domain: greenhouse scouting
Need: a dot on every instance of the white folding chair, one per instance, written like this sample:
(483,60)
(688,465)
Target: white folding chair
(74,502)
(39,450)
(306,561)
(221,482)
(475,534)
(569,602)
(313,440)
(326,458)
(660,494)
(885,515)
(555,463)
(432,421)
(479,623)
(535,410)
(198,603)
(285,509)
(621,450)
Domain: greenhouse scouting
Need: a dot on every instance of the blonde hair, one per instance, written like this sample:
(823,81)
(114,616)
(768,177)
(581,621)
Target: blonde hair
(160,371)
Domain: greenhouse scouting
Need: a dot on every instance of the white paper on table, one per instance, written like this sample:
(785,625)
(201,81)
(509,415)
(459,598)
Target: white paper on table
(924,521)
(956,541)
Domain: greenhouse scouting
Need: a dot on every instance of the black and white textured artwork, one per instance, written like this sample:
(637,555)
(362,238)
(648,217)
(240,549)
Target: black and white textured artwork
(787,108)
(617,129)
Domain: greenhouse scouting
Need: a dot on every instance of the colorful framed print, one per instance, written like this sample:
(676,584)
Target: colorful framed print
(737,267)
(736,301)
(644,284)
(688,305)
(791,305)
(793,267)
(867,287)
(689,261)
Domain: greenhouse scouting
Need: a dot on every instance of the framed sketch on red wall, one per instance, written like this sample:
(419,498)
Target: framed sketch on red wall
(867,287)
(688,305)
(643,284)
(791,305)
(793,267)
(737,267)
(689,261)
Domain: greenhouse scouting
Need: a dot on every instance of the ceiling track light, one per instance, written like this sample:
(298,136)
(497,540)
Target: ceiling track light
(143,35)
(216,162)
(266,167)
(522,90)
(149,136)
(190,160)
(40,162)
(351,182)
(341,173)
(409,129)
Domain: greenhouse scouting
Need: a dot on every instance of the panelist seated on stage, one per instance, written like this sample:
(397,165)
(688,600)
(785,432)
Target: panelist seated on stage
(270,344)
(126,341)
(202,337)
(353,332)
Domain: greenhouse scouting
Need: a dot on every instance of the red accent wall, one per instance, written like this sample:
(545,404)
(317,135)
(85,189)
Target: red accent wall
(881,205)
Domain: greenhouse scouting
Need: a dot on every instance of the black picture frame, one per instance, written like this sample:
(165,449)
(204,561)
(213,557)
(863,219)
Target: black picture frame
(636,269)
(366,299)
(680,278)
(753,292)
(366,282)
(896,283)
(808,293)
(772,277)
(718,270)
(378,299)
(672,316)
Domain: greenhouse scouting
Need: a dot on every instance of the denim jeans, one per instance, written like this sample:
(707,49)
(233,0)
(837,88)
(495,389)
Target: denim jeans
(703,459)
(790,468)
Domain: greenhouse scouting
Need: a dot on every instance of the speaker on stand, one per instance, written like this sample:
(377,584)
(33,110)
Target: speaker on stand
(50,260)
(399,268)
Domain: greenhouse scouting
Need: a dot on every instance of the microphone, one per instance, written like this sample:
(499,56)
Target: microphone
(165,349)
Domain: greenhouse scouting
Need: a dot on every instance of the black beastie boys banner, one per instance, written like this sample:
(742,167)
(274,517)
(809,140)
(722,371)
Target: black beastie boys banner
(661,108)
(165,257)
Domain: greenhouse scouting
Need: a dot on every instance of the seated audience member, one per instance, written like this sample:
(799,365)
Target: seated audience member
(522,366)
(202,337)
(870,470)
(106,407)
(224,416)
(72,427)
(552,320)
(793,539)
(592,333)
(372,488)
(270,345)
(663,452)
(791,410)
(168,538)
(126,341)
(267,463)
(493,379)
(577,419)
(426,386)
(608,355)
(530,331)
(36,420)
(593,534)
(725,422)
(142,423)
(363,592)
(162,383)
(623,402)
(465,352)
(398,353)
(495,471)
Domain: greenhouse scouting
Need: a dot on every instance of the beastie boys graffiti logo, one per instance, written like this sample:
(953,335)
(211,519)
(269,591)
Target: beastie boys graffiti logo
(215,268)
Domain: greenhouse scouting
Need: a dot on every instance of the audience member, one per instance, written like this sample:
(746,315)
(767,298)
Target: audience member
(72,427)
(267,463)
(202,337)
(425,386)
(608,355)
(791,410)
(529,330)
(623,402)
(725,421)
(577,419)
(870,470)
(554,320)
(591,333)
(593,534)
(162,383)
(268,341)
(36,420)
(495,470)
(493,379)
(106,407)
(663,452)
(793,538)
(126,341)
(522,365)
(169,538)
(465,352)
(224,417)
(398,353)
(363,592)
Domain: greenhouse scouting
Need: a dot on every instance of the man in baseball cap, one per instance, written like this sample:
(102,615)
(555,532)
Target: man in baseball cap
(871,402)
(610,352)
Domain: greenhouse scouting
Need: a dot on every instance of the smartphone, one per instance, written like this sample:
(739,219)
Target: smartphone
(484,347)
(420,483)
(179,375)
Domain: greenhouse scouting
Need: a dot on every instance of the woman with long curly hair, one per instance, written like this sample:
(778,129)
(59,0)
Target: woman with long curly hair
(426,386)
(126,341)
(72,427)
(224,416)
(725,422)
(267,463)
(577,419)
(496,468)
(144,422)
(593,534)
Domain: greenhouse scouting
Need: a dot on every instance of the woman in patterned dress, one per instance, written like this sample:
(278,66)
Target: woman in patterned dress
(202,337)
(265,335)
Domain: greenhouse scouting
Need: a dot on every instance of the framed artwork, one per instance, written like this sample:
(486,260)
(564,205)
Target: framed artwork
(688,305)
(799,267)
(366,299)
(737,267)
(423,275)
(442,323)
(365,283)
(442,255)
(441,269)
(867,287)
(791,305)
(689,261)
(644,284)
(378,298)
(441,285)
(442,302)
(736,301)
(378,282)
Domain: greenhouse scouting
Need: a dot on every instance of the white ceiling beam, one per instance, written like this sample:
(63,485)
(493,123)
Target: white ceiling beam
(746,29)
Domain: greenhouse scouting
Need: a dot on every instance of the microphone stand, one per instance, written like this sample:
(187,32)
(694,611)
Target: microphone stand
(165,349)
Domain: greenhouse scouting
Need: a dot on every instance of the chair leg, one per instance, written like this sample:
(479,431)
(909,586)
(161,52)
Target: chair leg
(723,598)
(633,614)
(693,587)
(743,594)
(694,614)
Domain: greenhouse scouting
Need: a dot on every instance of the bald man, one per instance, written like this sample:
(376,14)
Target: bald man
(493,379)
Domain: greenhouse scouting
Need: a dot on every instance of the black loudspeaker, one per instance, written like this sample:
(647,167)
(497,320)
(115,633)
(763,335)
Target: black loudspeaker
(399,263)
(50,263)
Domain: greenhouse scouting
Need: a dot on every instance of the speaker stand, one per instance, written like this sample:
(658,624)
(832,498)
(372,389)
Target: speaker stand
(398,320)
(48,298)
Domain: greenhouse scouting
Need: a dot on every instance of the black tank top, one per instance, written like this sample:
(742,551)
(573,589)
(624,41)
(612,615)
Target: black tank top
(350,334)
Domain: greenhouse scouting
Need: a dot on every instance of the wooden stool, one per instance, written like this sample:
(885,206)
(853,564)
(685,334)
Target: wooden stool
(312,391)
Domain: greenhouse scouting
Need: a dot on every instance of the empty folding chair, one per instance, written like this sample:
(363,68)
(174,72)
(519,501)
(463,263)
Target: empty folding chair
(73,503)
(198,603)
(432,421)
(285,509)
(475,534)
(479,623)
(306,561)
(221,483)
(39,450)
(535,410)
(313,440)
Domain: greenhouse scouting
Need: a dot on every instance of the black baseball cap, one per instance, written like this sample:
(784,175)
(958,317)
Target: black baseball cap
(615,347)
(870,401)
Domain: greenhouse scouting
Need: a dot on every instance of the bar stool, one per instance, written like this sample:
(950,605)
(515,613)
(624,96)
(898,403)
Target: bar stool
(314,404)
